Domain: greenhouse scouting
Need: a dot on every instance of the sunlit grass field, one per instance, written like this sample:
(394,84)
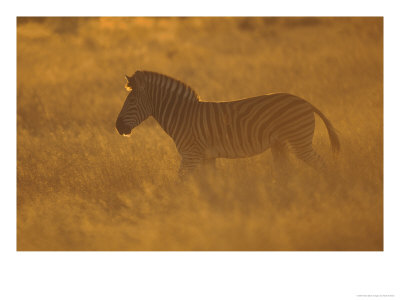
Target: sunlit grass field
(82,186)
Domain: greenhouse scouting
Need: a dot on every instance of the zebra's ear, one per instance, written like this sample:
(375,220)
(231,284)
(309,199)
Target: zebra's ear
(128,85)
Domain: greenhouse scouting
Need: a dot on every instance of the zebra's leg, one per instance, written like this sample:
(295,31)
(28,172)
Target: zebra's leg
(301,144)
(307,154)
(210,162)
(281,163)
(207,165)
(188,164)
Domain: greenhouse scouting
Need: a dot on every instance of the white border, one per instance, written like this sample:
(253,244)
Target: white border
(180,275)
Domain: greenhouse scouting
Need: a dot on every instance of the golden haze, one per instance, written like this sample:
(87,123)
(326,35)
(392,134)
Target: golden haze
(81,186)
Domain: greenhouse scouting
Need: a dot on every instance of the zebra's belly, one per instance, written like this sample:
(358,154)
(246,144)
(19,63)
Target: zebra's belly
(229,149)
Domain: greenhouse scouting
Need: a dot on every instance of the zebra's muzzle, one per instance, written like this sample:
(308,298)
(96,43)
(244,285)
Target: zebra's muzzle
(122,128)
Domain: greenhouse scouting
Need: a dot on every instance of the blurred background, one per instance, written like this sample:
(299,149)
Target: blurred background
(81,186)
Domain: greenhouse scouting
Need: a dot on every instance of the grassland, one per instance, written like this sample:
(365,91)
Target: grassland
(81,186)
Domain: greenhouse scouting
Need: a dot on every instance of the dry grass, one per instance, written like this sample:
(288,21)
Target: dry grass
(81,186)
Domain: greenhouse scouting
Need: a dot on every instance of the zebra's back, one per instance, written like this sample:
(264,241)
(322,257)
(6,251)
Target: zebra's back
(247,127)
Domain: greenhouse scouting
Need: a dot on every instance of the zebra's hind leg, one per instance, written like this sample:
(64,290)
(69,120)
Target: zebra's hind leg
(310,156)
(281,164)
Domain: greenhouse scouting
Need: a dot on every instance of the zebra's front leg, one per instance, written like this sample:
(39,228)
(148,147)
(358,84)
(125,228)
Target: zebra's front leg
(207,165)
(189,164)
(210,163)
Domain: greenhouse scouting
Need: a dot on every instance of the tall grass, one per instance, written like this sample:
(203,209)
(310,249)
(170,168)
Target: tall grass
(81,186)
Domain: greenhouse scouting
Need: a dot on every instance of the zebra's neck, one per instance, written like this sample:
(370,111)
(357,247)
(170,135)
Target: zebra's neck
(173,102)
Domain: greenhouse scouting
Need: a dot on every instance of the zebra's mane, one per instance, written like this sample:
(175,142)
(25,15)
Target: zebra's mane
(193,93)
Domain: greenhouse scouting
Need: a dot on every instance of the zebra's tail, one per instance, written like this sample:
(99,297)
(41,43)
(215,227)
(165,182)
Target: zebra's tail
(333,137)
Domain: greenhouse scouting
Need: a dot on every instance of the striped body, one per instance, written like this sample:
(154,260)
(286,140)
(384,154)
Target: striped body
(204,131)
(247,127)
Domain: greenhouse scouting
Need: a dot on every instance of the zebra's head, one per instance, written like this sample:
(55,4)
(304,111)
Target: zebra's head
(136,108)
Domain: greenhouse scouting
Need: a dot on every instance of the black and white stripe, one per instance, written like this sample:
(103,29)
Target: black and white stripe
(204,131)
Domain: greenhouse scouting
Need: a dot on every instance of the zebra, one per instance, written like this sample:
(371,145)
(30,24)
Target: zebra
(204,130)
